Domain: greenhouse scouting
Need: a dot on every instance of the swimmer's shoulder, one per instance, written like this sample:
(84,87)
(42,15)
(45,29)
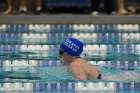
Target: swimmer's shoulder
(78,63)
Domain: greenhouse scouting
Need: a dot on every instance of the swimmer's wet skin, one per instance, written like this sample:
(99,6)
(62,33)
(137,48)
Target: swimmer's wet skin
(69,52)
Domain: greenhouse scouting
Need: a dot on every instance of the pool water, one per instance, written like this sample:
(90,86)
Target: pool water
(29,56)
(59,73)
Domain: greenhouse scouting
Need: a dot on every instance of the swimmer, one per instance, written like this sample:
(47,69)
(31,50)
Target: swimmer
(69,53)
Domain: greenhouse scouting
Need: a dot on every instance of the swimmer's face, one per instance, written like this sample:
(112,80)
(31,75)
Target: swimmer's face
(61,52)
(63,56)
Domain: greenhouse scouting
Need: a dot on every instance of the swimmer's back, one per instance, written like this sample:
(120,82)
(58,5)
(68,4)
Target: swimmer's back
(82,70)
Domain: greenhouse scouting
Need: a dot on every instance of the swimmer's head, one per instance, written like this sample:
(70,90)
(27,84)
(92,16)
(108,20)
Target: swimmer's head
(72,47)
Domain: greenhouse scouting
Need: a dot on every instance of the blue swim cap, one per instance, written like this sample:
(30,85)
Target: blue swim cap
(72,46)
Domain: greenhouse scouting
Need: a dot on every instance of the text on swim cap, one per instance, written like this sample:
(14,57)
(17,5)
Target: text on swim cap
(71,45)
